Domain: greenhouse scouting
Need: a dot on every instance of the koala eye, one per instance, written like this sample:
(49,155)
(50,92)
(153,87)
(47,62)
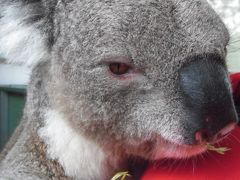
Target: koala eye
(119,68)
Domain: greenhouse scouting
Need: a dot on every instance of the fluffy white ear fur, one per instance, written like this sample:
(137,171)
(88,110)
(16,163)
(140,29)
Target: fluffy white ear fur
(20,43)
(79,157)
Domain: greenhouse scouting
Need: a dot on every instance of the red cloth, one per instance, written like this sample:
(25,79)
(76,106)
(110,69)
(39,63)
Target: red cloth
(210,166)
(235,80)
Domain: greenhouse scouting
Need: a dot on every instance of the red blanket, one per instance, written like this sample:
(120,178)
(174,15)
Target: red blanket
(211,165)
(235,80)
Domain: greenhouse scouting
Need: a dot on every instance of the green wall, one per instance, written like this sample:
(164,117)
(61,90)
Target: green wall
(12,100)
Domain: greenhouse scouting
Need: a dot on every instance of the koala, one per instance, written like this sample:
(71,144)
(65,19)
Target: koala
(115,84)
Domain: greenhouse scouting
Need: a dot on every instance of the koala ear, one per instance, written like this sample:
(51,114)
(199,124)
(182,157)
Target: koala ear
(21,42)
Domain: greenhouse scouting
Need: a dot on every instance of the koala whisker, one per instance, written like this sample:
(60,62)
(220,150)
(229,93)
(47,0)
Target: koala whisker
(235,137)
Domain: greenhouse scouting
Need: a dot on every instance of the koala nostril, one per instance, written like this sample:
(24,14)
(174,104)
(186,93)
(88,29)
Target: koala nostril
(201,136)
(208,119)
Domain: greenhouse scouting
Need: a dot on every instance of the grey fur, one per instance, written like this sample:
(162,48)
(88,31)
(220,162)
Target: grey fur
(125,118)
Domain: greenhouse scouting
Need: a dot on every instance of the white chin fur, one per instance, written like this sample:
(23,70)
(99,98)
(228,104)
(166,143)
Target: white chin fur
(79,157)
(20,43)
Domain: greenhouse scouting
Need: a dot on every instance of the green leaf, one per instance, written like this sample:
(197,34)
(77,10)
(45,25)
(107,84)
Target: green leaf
(220,150)
(121,175)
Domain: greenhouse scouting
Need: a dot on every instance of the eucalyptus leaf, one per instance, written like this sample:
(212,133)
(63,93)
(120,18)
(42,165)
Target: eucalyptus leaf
(220,150)
(122,175)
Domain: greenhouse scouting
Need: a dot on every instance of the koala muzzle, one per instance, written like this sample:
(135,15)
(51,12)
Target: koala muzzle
(207,97)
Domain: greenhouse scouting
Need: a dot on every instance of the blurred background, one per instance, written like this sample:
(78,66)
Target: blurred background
(229,11)
(14,78)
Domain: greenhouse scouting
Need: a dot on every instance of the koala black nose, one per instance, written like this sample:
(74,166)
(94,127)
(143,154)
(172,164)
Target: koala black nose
(207,95)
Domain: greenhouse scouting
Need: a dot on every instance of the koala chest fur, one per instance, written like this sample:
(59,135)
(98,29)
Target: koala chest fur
(114,85)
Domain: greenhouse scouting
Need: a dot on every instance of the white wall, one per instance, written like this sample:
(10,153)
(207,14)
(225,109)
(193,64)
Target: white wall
(233,58)
(229,11)
(12,74)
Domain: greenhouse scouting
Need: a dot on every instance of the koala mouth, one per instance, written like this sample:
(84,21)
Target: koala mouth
(177,151)
(173,150)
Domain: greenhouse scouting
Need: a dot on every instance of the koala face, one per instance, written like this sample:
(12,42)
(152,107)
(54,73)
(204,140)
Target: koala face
(149,76)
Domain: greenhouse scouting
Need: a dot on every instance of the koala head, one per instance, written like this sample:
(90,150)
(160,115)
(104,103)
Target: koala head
(147,77)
